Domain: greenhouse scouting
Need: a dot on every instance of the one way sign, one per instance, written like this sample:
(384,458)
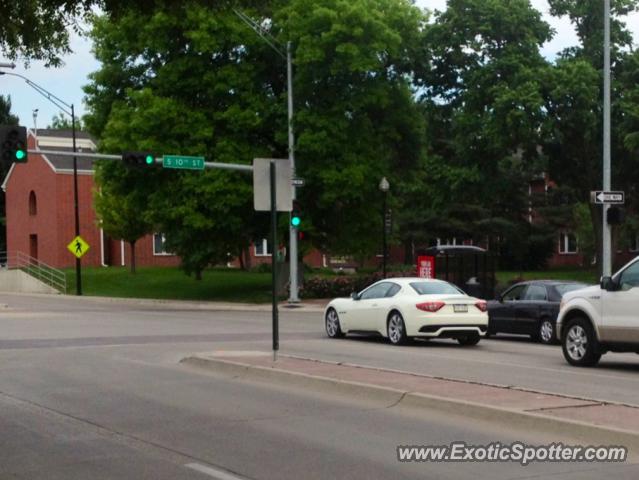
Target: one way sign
(601,197)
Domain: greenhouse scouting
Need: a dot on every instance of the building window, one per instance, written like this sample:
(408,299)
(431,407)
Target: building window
(159,244)
(567,243)
(262,248)
(634,243)
(33,204)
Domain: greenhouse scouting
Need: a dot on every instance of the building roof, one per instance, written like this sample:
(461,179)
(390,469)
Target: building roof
(62,140)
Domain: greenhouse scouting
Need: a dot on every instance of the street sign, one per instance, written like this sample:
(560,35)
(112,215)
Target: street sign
(601,197)
(297,182)
(262,184)
(78,247)
(183,162)
(426,266)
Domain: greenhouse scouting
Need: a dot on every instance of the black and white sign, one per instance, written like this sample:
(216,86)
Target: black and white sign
(601,197)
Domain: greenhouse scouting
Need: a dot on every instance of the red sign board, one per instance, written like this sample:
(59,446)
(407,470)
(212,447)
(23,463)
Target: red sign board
(426,267)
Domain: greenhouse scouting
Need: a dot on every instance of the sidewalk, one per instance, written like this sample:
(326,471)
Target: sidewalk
(594,421)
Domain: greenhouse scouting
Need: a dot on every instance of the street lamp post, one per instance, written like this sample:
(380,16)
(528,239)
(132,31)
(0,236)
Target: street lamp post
(69,110)
(384,186)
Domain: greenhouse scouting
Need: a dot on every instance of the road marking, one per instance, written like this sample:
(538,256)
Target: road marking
(213,472)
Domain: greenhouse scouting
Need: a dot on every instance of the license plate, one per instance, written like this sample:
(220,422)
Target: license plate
(460,308)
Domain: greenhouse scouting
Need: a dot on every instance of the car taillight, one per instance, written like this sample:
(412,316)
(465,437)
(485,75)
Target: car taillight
(481,305)
(430,306)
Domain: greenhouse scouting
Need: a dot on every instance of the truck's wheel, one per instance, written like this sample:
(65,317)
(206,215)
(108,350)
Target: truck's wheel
(579,343)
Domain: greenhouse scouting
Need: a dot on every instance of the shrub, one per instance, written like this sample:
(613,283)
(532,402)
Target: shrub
(343,285)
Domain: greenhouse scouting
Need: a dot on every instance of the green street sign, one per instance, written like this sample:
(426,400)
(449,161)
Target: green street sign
(183,162)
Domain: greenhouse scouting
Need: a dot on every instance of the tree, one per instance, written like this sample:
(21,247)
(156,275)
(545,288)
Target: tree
(189,93)
(215,88)
(62,122)
(121,203)
(573,140)
(357,119)
(6,118)
(483,99)
(39,30)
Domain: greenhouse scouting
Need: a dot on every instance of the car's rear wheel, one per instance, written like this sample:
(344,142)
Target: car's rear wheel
(545,332)
(579,343)
(469,340)
(396,329)
(333,328)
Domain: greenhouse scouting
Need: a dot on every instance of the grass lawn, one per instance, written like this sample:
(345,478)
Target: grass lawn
(171,283)
(578,274)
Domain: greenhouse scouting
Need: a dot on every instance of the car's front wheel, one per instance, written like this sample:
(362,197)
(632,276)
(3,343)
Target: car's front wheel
(396,329)
(333,328)
(579,343)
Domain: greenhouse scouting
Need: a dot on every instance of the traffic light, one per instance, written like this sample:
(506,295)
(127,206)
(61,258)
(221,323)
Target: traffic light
(13,144)
(138,159)
(616,215)
(296,216)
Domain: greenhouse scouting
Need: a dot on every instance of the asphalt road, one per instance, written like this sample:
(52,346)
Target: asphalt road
(93,389)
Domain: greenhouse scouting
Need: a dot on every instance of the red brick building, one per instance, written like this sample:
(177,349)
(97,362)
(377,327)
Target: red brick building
(40,209)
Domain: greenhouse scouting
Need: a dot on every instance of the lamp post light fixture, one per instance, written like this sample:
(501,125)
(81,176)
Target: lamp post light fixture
(69,110)
(384,186)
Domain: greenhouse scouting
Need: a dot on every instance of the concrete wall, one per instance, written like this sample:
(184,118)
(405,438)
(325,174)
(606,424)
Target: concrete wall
(16,281)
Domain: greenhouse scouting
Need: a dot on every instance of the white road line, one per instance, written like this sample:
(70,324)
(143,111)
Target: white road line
(212,472)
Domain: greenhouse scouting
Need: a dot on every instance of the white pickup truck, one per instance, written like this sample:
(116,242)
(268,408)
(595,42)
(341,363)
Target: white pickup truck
(602,318)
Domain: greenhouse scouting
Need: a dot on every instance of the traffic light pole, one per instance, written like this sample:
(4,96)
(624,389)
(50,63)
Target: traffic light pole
(76,206)
(69,110)
(294,290)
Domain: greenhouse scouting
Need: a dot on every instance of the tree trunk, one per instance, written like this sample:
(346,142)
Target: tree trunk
(132,256)
(241,258)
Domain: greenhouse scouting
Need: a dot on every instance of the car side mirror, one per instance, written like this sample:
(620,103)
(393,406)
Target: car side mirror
(355,296)
(608,284)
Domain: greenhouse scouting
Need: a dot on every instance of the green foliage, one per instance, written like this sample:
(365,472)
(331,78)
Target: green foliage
(6,118)
(62,122)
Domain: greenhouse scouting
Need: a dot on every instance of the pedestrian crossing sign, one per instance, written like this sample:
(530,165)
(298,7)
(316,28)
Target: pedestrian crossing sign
(78,247)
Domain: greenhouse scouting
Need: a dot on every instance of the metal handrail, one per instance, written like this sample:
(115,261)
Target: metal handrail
(34,267)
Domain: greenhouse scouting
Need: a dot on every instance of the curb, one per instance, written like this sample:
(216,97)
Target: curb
(588,433)
(192,304)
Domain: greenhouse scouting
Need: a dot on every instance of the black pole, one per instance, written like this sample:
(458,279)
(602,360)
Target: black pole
(384,238)
(78,265)
(276,333)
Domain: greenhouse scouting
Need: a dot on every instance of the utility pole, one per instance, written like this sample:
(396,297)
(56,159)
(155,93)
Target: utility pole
(275,45)
(607,236)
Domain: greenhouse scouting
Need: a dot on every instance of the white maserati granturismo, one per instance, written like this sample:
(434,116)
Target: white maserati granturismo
(402,308)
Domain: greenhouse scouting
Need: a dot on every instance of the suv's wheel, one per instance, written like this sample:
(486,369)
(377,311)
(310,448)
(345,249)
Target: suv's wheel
(469,340)
(545,332)
(579,343)
(396,329)
(333,328)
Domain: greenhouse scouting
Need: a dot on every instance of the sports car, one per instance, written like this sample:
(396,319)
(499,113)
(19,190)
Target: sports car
(402,308)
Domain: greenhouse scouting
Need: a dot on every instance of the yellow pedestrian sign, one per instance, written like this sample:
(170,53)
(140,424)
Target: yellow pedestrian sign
(78,247)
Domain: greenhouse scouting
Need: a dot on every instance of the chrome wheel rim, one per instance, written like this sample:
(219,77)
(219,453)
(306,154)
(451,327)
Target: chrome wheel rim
(577,342)
(395,329)
(546,331)
(332,323)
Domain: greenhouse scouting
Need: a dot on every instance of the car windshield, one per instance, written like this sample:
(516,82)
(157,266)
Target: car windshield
(435,288)
(568,287)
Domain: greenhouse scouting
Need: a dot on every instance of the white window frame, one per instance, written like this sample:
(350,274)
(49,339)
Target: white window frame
(264,243)
(161,254)
(564,244)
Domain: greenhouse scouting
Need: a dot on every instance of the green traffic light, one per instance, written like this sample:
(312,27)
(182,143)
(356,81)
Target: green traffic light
(20,154)
(149,159)
(295,221)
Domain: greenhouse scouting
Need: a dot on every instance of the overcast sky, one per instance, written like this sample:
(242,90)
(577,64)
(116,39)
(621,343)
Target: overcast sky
(66,82)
